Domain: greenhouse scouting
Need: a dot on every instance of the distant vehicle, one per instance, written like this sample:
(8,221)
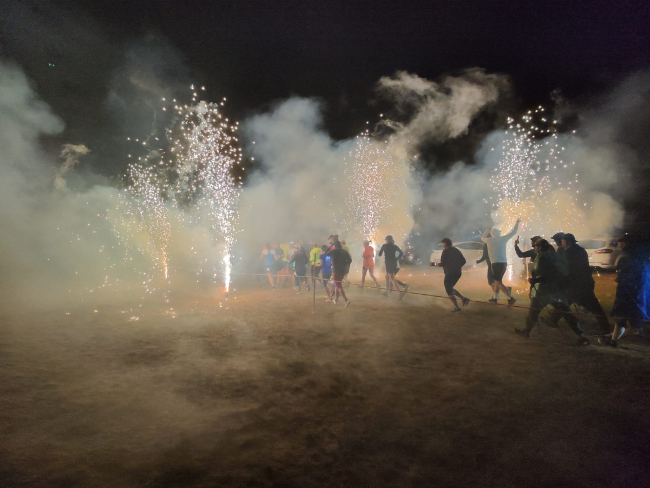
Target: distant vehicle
(603,252)
(471,250)
(411,257)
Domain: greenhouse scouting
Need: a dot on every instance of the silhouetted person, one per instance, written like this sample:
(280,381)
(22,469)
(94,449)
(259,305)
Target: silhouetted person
(632,292)
(579,284)
(547,291)
(452,261)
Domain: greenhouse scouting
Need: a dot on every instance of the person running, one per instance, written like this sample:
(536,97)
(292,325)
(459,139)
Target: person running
(452,262)
(497,252)
(632,291)
(268,255)
(490,276)
(314,261)
(579,283)
(346,248)
(392,254)
(340,263)
(527,254)
(299,260)
(326,270)
(547,290)
(368,264)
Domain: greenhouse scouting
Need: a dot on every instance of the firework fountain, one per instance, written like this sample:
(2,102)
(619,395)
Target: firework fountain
(205,156)
(378,180)
(186,190)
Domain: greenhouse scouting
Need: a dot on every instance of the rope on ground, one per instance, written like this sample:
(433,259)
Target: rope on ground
(483,302)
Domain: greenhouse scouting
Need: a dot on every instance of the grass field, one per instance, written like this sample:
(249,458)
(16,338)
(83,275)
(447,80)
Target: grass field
(260,392)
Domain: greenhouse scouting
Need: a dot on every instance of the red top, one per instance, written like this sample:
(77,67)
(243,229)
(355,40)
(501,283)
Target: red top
(368,255)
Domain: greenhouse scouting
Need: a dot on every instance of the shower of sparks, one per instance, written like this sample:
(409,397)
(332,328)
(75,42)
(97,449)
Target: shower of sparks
(533,180)
(145,216)
(206,153)
(180,202)
(375,177)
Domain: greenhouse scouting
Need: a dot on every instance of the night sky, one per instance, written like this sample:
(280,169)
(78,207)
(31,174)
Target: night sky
(256,53)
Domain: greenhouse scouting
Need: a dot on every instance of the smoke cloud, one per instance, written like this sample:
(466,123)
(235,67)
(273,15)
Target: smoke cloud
(439,111)
(57,241)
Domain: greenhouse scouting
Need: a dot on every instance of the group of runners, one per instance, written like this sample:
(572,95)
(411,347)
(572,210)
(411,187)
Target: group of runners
(329,266)
(558,278)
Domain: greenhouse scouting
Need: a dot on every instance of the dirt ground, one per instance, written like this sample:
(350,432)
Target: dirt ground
(258,391)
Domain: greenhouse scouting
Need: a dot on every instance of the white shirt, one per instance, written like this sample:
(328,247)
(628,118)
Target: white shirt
(497,245)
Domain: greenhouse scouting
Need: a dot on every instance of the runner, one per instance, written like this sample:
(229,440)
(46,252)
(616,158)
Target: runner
(326,270)
(346,248)
(268,255)
(452,262)
(497,252)
(299,260)
(368,264)
(391,257)
(314,261)
(340,263)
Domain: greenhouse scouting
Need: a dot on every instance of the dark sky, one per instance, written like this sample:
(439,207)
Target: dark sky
(255,52)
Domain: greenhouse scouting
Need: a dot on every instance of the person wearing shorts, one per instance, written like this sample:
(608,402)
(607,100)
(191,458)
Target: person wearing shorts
(368,264)
(392,254)
(314,261)
(268,255)
(497,252)
(340,264)
(326,270)
(452,261)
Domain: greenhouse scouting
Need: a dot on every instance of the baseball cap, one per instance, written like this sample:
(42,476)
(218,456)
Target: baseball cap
(569,238)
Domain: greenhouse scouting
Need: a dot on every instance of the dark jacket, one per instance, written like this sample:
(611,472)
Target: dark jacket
(632,293)
(485,257)
(390,250)
(578,271)
(548,277)
(300,260)
(452,260)
(527,254)
(340,260)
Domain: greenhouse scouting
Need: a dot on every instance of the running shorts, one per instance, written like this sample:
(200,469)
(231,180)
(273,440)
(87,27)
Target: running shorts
(450,282)
(371,268)
(326,276)
(498,270)
(347,269)
(338,280)
(391,268)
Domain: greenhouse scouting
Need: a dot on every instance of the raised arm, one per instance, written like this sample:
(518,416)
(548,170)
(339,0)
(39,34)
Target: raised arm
(514,230)
(484,236)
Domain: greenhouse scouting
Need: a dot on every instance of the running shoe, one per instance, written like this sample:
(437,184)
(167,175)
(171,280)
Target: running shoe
(511,301)
(465,301)
(329,299)
(457,309)
(385,293)
(404,292)
(493,300)
(347,302)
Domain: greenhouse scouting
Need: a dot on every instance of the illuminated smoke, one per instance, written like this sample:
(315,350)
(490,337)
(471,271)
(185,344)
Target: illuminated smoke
(534,180)
(71,154)
(376,179)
